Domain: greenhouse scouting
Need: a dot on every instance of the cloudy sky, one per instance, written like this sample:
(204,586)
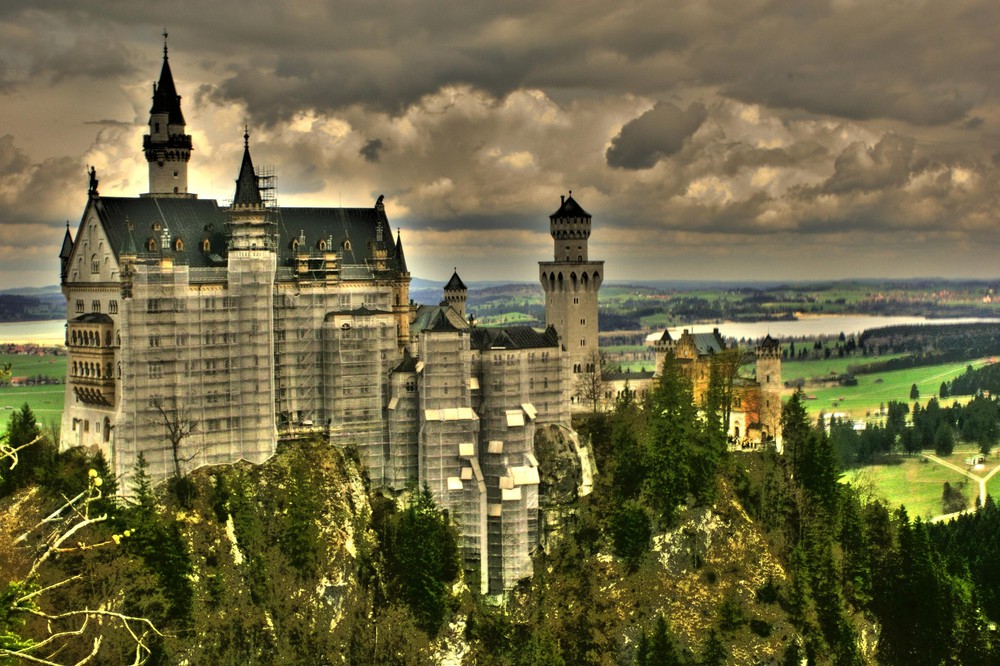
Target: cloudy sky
(784,139)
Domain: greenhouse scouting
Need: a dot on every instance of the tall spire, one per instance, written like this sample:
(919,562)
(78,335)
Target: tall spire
(247,187)
(167,146)
(165,97)
(400,257)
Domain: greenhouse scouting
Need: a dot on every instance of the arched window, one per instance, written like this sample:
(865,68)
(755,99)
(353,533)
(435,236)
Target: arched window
(206,246)
(346,245)
(107,429)
(295,245)
(156,226)
(107,370)
(151,245)
(322,246)
(178,245)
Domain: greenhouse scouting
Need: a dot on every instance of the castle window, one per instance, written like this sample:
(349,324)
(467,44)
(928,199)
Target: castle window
(295,245)
(95,306)
(346,245)
(206,246)
(576,301)
(156,226)
(95,264)
(152,305)
(113,306)
(155,370)
(583,322)
(322,246)
(178,244)
(151,245)
(154,341)
(156,128)
(108,370)
(583,342)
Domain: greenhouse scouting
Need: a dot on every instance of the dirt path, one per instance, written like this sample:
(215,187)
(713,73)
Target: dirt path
(981,480)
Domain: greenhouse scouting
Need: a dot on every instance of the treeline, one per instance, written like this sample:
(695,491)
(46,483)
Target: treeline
(972,340)
(929,428)
(847,555)
(976,380)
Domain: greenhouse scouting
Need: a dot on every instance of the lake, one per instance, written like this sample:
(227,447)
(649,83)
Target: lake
(813,326)
(53,332)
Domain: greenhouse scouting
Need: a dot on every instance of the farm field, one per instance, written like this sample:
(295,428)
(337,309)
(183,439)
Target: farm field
(823,367)
(45,401)
(915,483)
(873,390)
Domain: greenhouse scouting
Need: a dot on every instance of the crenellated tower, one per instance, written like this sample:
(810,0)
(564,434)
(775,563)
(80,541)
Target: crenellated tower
(251,224)
(571,283)
(768,357)
(167,147)
(456,294)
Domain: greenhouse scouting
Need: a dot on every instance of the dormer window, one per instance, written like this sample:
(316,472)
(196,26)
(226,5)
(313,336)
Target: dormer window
(295,245)
(156,226)
(322,246)
(151,245)
(347,246)
(206,246)
(178,245)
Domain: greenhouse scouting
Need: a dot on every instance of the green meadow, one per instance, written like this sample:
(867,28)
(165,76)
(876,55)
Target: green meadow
(916,483)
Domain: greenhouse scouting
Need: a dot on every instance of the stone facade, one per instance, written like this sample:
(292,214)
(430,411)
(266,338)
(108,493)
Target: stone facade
(237,326)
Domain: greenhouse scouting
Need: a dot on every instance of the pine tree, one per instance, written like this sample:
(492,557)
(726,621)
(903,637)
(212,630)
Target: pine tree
(663,650)
(714,653)
(914,392)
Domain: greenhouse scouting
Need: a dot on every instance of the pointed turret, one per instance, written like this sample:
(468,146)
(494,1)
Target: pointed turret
(165,97)
(167,147)
(455,293)
(251,224)
(247,185)
(400,257)
(65,251)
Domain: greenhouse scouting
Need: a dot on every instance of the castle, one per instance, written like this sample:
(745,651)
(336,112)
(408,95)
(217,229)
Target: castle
(203,334)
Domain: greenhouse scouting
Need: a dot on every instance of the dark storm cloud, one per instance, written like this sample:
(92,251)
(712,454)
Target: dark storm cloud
(656,134)
(887,164)
(87,57)
(372,150)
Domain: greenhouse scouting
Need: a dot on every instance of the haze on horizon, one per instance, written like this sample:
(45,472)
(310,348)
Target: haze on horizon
(709,139)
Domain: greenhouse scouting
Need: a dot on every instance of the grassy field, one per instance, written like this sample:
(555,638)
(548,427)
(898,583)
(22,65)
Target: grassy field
(823,367)
(45,401)
(874,390)
(915,483)
(28,366)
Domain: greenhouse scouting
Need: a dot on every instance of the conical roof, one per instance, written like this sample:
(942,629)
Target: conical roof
(570,208)
(455,283)
(247,188)
(400,257)
(165,97)
(67,245)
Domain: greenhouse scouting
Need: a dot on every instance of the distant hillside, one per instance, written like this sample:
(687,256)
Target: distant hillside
(32,304)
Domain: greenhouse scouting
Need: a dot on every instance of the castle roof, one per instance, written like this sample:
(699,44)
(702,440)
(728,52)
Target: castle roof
(513,337)
(67,245)
(570,208)
(438,319)
(408,364)
(247,187)
(768,342)
(455,283)
(400,257)
(626,375)
(195,220)
(92,318)
(708,343)
(165,97)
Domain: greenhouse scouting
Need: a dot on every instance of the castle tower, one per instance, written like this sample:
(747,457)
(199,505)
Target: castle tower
(167,147)
(456,293)
(768,355)
(250,223)
(401,296)
(571,283)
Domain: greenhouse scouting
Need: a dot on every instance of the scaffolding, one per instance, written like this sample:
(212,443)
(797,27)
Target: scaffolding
(196,358)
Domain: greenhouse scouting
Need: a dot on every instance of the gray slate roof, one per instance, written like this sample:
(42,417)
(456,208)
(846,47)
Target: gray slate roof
(195,220)
(513,337)
(570,208)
